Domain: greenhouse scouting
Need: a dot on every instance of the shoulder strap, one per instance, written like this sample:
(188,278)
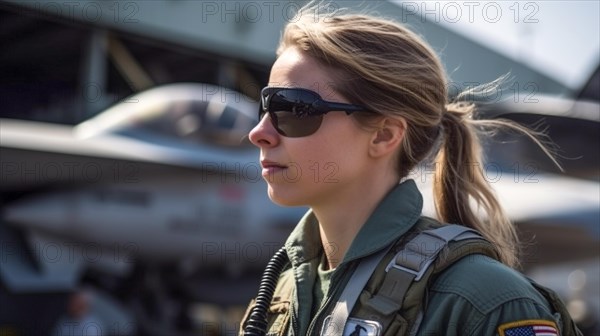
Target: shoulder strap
(345,303)
(413,261)
(410,270)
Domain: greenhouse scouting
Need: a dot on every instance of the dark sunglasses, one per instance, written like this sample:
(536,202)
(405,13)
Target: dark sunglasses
(296,112)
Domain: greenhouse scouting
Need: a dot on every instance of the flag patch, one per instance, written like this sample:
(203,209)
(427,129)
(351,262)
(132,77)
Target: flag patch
(528,328)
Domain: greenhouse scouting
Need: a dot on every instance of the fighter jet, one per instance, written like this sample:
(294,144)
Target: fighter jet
(163,185)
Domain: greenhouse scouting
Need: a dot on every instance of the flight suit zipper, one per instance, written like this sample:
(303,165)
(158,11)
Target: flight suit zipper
(293,317)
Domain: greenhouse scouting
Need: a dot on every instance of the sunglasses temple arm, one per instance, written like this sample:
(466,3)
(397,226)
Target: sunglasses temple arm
(348,108)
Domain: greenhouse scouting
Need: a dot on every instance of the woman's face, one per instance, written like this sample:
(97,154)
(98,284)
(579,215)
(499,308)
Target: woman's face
(318,168)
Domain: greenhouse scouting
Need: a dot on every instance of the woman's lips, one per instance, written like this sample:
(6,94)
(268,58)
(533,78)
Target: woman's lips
(271,167)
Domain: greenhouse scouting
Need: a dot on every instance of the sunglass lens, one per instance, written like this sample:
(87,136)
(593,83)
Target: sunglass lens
(287,124)
(290,111)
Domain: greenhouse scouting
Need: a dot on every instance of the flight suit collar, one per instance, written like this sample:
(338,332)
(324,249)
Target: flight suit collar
(393,217)
(304,243)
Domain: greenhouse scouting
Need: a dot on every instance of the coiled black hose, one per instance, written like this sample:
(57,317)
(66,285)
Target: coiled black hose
(257,321)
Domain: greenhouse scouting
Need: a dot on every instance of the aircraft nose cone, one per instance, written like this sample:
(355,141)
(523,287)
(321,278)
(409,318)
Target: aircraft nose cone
(52,213)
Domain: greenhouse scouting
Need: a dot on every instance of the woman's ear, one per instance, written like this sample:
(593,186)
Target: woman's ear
(388,137)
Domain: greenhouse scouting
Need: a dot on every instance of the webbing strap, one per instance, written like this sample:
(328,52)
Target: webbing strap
(351,292)
(410,263)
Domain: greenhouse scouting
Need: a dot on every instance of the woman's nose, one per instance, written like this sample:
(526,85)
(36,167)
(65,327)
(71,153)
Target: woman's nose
(264,134)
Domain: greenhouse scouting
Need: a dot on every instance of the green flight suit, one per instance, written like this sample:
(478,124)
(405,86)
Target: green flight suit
(475,296)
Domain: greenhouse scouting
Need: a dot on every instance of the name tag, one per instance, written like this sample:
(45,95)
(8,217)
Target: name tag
(354,327)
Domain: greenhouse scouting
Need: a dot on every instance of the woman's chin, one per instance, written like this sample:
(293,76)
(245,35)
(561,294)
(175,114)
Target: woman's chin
(284,197)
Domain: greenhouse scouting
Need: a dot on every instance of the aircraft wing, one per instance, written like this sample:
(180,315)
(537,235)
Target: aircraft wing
(557,217)
(548,197)
(38,154)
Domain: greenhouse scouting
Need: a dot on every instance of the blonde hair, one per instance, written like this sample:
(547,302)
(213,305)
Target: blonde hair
(387,68)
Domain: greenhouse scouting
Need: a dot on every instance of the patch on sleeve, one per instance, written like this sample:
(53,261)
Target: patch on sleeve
(528,328)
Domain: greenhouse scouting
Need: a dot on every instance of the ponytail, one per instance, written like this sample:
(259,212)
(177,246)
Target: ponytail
(460,179)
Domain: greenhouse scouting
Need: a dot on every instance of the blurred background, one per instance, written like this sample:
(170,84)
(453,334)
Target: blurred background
(130,206)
